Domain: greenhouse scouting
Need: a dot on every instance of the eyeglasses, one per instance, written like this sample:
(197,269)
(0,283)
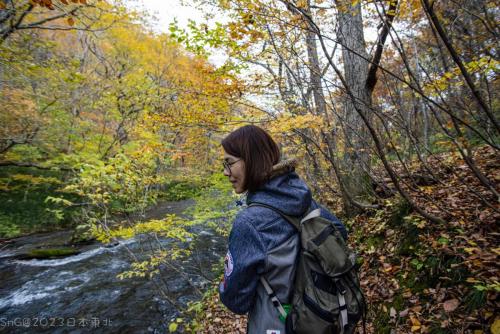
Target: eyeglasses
(227,165)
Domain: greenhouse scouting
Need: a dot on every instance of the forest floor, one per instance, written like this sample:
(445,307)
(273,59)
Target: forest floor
(418,276)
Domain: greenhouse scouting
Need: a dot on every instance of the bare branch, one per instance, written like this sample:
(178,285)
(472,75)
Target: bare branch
(390,14)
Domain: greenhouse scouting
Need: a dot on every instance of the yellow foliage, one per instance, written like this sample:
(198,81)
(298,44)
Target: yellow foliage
(171,227)
(483,65)
(35,180)
(287,122)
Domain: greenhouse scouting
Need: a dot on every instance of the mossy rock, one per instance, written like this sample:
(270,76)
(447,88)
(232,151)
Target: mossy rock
(49,253)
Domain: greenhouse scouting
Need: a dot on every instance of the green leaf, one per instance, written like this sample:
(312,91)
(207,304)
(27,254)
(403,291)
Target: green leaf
(172,327)
(443,241)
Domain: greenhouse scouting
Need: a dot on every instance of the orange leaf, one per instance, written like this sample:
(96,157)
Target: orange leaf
(71,22)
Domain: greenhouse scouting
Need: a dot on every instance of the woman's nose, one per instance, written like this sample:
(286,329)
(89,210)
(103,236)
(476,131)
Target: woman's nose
(226,172)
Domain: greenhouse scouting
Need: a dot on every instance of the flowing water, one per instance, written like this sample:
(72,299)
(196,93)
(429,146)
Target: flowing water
(82,294)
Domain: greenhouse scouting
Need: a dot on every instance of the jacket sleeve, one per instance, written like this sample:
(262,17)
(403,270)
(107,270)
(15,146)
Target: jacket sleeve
(330,216)
(244,263)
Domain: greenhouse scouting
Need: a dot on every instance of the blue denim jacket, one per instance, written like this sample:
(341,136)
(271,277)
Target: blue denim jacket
(256,232)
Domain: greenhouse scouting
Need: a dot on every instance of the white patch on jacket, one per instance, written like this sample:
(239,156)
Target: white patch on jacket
(228,264)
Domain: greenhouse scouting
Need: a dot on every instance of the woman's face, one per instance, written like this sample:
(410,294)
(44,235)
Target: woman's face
(234,169)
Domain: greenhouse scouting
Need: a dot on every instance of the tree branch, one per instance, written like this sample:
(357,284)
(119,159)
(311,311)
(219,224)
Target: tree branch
(13,27)
(429,10)
(390,14)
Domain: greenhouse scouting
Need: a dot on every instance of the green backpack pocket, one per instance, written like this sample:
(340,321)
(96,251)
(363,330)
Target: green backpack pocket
(330,250)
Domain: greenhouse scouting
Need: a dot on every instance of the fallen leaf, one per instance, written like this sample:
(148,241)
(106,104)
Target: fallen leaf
(416,309)
(392,312)
(414,321)
(450,305)
(172,327)
(495,327)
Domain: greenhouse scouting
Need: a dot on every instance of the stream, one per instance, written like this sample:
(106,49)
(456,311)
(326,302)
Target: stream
(82,294)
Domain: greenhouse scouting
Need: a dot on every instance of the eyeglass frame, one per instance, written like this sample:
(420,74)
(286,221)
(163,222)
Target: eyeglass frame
(227,165)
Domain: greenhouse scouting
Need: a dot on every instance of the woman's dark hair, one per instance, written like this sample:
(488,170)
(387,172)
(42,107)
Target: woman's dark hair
(257,149)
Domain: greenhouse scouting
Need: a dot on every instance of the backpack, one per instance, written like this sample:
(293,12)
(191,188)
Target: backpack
(327,297)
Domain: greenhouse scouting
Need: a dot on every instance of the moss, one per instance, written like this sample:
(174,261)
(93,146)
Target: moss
(407,247)
(381,322)
(50,253)
(409,243)
(419,285)
(359,262)
(412,281)
(355,233)
(431,271)
(437,329)
(374,241)
(458,274)
(401,209)
(398,302)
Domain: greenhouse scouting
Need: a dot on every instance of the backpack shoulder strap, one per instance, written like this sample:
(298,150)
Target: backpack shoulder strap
(295,221)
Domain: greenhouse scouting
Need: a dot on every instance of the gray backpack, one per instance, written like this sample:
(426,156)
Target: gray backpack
(327,297)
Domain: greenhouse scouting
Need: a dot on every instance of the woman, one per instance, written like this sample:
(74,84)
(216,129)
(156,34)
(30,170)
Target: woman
(262,243)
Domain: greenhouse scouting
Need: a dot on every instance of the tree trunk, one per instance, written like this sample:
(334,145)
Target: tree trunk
(320,105)
(356,161)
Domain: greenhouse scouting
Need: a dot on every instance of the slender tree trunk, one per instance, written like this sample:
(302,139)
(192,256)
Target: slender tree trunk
(356,180)
(320,107)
